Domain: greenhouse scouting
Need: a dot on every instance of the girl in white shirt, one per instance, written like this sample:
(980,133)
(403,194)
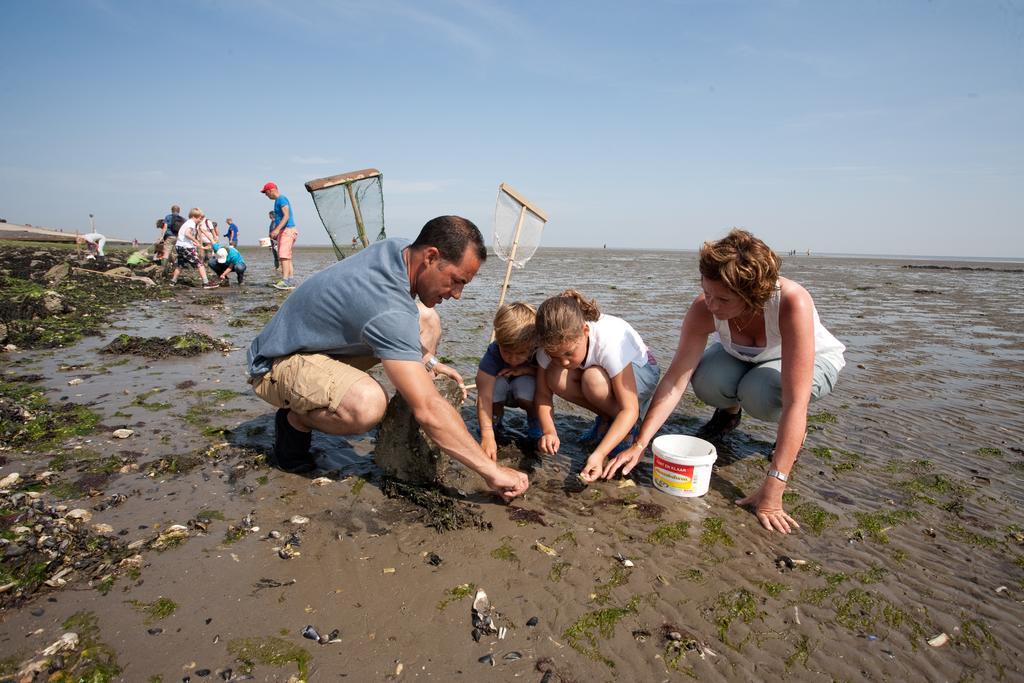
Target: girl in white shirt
(598,362)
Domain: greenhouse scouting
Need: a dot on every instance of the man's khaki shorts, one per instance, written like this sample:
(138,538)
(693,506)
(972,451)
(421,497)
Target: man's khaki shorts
(305,382)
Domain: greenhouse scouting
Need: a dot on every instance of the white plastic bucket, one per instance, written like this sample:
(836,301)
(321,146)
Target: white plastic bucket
(682,465)
(264,241)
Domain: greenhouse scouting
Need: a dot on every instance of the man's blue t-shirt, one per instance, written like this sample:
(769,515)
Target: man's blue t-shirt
(232,233)
(279,205)
(357,307)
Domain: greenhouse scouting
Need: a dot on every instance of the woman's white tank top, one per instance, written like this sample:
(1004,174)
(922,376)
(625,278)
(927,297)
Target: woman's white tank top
(826,346)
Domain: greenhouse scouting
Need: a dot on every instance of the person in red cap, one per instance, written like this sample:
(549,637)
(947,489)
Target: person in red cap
(284,233)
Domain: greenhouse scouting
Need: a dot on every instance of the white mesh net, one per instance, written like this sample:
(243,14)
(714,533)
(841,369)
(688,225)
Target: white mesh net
(346,220)
(506,218)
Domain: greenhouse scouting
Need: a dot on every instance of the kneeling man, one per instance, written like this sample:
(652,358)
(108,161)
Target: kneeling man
(310,360)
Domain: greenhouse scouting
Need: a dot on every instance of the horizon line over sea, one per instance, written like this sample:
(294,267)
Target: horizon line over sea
(783,253)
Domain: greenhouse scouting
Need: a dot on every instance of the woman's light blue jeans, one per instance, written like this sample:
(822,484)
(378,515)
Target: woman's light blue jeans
(724,381)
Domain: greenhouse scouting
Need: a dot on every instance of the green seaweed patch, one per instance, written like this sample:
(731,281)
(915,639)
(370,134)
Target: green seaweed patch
(184,345)
(142,402)
(773,589)
(801,653)
(990,452)
(873,574)
(557,571)
(217,395)
(29,420)
(505,553)
(824,417)
(94,661)
(965,535)
(694,575)
(814,517)
(875,525)
(816,596)
(925,486)
(975,635)
(790,496)
(713,532)
(583,634)
(233,534)
(669,533)
(732,605)
(619,577)
(459,592)
(208,516)
(161,608)
(916,466)
(357,485)
(86,460)
(270,651)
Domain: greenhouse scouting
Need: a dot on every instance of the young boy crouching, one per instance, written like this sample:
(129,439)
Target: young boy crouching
(506,377)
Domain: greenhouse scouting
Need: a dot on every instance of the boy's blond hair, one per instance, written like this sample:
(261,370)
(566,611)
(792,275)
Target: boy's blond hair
(195,213)
(515,325)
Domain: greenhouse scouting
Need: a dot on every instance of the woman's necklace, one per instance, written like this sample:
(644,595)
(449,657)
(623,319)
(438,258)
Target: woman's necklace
(740,328)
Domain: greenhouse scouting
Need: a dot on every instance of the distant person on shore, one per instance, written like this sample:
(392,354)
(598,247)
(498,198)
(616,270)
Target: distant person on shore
(598,362)
(172,222)
(232,233)
(310,360)
(158,247)
(227,260)
(273,243)
(285,233)
(187,248)
(770,355)
(507,375)
(94,242)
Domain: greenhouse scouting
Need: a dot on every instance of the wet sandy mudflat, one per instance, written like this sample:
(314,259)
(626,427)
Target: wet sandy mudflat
(909,491)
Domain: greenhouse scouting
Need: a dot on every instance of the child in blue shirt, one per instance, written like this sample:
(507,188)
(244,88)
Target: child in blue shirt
(506,374)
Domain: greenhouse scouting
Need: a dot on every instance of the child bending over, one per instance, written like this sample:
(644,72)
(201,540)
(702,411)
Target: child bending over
(598,362)
(506,374)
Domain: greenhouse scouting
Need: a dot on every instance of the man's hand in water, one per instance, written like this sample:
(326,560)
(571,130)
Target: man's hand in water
(508,482)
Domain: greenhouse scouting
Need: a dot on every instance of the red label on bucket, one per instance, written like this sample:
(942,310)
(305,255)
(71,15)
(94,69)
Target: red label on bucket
(685,470)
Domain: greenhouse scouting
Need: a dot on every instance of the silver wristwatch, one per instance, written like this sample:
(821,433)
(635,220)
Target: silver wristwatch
(431,363)
(778,475)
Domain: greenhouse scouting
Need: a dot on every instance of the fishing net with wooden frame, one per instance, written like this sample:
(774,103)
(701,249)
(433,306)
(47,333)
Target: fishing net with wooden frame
(350,204)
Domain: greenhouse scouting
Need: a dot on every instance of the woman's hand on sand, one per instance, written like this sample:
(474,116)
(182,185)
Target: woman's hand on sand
(489,445)
(593,469)
(767,504)
(549,443)
(627,460)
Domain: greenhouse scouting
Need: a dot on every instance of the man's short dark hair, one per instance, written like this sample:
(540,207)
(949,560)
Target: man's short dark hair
(451,235)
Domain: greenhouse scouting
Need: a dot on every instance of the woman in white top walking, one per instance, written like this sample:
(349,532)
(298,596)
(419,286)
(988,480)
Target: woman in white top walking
(770,355)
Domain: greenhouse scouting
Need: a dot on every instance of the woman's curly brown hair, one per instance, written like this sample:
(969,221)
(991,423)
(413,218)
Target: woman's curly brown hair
(744,264)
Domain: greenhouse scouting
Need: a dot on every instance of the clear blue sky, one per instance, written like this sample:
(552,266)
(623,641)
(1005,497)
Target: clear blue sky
(862,127)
